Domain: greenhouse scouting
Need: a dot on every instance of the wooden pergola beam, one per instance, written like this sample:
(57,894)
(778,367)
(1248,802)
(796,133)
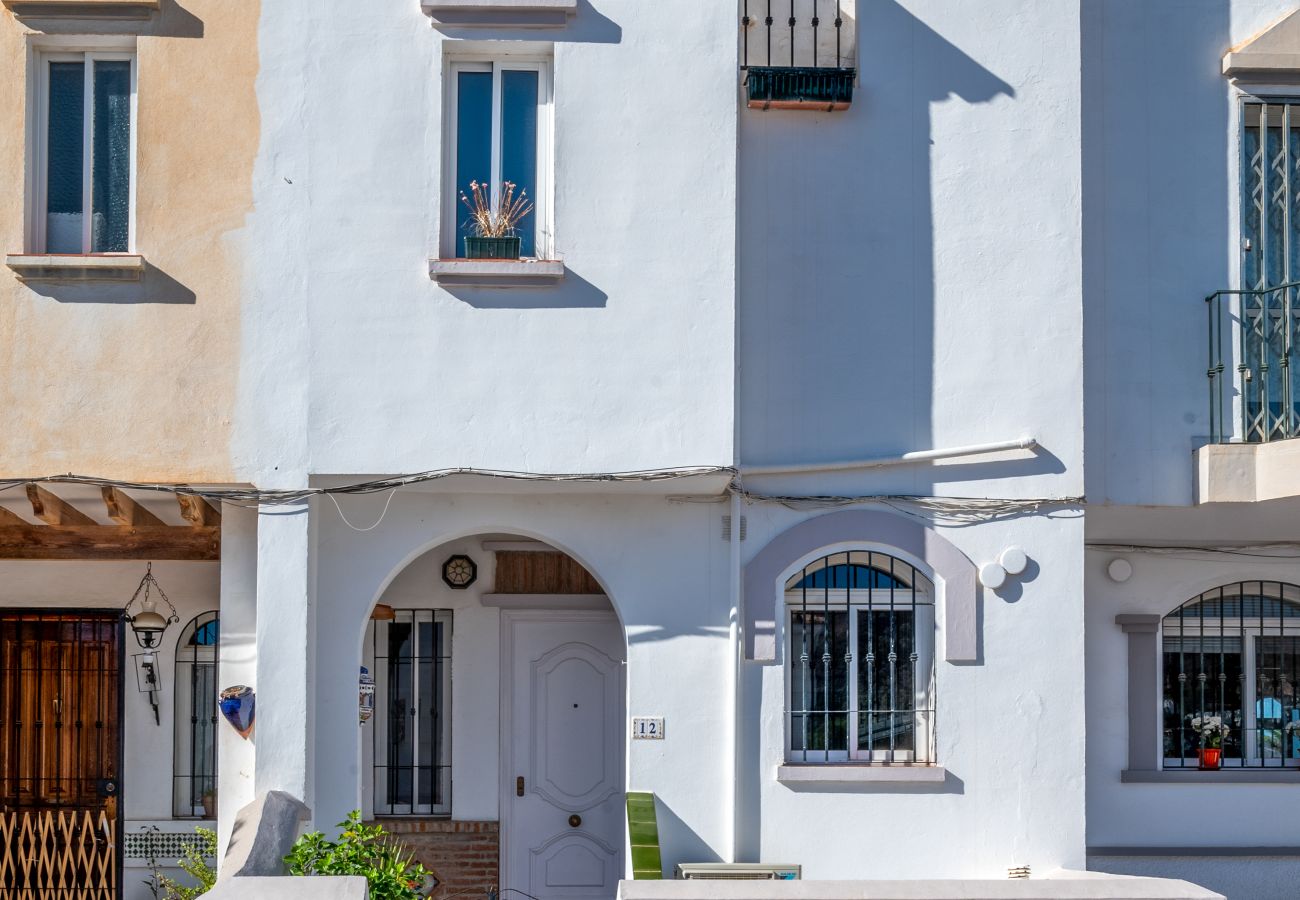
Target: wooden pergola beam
(110,542)
(53,509)
(123,510)
(197,511)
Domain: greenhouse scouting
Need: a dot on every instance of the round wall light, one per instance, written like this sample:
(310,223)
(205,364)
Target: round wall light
(1120,570)
(1014,560)
(459,572)
(992,575)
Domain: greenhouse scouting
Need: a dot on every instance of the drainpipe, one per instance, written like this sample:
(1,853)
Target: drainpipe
(734,680)
(1025,443)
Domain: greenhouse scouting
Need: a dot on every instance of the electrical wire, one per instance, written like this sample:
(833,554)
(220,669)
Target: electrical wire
(1282,550)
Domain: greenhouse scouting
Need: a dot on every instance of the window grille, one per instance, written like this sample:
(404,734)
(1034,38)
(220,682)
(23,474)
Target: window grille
(1234,653)
(194,772)
(411,656)
(860,660)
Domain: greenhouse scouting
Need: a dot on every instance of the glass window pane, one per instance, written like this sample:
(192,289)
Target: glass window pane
(1202,675)
(1276,674)
(473,142)
(400,738)
(111,179)
(819,681)
(519,145)
(886,680)
(428,712)
(64,160)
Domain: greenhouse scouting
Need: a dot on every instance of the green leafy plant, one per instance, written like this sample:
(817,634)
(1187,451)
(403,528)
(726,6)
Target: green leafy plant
(195,864)
(364,850)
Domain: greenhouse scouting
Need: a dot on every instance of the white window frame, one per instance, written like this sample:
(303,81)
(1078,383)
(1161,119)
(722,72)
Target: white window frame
(542,212)
(1248,630)
(38,134)
(379,800)
(923,629)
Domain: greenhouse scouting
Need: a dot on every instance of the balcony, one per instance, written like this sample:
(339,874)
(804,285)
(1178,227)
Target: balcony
(798,54)
(1254,397)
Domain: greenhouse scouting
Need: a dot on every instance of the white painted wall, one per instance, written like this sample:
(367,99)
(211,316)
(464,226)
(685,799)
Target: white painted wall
(1161,206)
(354,361)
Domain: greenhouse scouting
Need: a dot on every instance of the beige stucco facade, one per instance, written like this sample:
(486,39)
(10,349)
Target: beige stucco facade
(138,380)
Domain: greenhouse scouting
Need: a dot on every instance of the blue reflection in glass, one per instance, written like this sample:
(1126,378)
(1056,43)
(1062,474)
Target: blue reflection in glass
(111,182)
(473,142)
(519,145)
(64,160)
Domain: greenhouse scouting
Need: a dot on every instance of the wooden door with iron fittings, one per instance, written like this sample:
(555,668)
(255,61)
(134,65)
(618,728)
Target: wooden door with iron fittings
(60,755)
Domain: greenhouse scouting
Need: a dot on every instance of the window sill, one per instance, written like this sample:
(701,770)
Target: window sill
(72,267)
(83,9)
(496,272)
(849,773)
(501,13)
(1221,776)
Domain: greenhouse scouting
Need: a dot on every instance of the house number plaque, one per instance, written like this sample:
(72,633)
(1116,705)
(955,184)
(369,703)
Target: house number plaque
(647,728)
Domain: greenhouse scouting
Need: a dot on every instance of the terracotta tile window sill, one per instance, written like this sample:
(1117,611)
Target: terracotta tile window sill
(82,9)
(497,272)
(500,13)
(863,773)
(91,267)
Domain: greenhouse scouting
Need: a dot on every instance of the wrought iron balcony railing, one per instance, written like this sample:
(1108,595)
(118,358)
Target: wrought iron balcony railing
(1264,399)
(798,54)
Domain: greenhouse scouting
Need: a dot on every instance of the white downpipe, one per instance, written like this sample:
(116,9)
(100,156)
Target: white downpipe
(1026,443)
(733,686)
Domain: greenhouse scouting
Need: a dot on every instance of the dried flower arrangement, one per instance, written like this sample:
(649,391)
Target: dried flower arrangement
(500,219)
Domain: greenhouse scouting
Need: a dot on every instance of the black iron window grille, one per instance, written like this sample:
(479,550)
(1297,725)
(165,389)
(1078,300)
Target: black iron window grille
(860,661)
(194,770)
(1232,655)
(411,739)
(796,54)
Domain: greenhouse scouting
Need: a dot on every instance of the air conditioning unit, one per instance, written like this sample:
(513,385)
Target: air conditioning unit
(738,872)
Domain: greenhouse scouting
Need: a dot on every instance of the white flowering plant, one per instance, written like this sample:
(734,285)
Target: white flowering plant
(1211,730)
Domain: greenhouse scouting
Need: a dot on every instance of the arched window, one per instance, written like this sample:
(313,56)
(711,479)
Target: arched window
(1233,655)
(194,774)
(859,660)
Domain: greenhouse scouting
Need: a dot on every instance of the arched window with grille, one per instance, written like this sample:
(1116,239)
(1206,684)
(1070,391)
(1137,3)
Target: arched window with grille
(194,772)
(859,660)
(1232,654)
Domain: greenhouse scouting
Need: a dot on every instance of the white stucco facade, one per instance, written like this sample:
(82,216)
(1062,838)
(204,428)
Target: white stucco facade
(1004,240)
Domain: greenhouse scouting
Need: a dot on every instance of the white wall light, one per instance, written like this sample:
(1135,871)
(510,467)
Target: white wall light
(1120,570)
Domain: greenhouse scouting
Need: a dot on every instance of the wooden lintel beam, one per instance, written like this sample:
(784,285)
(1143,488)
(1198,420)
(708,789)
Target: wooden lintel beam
(109,542)
(123,509)
(198,511)
(53,509)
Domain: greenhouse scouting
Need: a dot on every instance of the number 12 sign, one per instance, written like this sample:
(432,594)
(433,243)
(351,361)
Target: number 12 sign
(647,728)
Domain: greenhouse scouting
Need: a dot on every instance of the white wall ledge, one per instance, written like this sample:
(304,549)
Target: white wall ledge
(497,272)
(1248,473)
(501,13)
(860,773)
(1071,886)
(72,267)
(1221,776)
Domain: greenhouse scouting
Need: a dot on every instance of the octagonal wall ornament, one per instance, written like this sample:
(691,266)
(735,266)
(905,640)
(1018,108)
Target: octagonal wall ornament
(459,572)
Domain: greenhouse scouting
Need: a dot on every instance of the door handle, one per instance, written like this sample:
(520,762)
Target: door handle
(519,786)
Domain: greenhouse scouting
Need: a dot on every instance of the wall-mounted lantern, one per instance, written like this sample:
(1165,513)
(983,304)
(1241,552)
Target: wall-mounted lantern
(459,572)
(149,624)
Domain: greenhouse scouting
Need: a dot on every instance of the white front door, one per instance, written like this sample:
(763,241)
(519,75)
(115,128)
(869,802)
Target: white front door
(562,803)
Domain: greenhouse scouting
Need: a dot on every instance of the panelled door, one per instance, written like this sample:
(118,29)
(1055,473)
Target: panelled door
(562,804)
(60,755)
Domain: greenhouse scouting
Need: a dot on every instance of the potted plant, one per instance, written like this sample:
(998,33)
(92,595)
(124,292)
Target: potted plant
(494,224)
(1212,733)
(209,801)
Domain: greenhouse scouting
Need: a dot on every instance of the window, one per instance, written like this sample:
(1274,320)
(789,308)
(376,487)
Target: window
(411,657)
(860,660)
(84,153)
(499,127)
(1234,653)
(194,774)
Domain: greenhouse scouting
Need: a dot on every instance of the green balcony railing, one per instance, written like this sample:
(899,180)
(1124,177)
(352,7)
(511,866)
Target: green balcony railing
(1262,403)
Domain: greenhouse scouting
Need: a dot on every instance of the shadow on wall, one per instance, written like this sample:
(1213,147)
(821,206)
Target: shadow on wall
(678,842)
(172,20)
(1156,230)
(155,286)
(837,309)
(574,292)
